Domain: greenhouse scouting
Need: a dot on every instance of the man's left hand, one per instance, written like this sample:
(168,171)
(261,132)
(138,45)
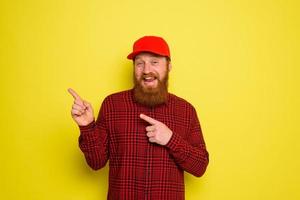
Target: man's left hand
(157,132)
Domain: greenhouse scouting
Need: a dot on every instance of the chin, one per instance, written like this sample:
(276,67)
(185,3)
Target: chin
(150,89)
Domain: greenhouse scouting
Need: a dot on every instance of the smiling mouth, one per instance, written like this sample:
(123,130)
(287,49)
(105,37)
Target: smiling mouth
(149,79)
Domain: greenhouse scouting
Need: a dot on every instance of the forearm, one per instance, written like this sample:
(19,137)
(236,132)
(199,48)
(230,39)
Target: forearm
(93,144)
(193,159)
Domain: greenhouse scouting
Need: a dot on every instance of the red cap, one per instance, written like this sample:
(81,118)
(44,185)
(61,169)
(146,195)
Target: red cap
(152,44)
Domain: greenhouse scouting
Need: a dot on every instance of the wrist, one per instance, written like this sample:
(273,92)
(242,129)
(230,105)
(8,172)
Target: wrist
(87,126)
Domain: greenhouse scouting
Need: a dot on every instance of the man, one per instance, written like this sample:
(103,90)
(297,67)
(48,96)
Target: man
(149,135)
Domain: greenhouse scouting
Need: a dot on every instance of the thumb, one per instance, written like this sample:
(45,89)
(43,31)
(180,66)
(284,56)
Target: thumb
(87,105)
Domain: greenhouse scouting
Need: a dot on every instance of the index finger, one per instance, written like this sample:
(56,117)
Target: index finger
(148,119)
(74,94)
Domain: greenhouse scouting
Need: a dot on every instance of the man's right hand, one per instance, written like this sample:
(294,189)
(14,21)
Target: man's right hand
(82,111)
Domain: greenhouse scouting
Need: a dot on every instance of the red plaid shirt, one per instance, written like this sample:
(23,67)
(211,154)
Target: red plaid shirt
(139,169)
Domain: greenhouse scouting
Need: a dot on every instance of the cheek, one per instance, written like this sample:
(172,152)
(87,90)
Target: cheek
(137,74)
(162,70)
(162,74)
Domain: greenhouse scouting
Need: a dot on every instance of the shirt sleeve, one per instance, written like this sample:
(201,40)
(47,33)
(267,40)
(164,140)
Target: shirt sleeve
(93,141)
(190,153)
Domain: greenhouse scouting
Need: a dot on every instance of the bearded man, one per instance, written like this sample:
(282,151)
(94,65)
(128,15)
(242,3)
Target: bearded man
(149,135)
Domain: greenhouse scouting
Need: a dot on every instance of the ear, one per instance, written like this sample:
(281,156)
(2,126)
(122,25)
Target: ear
(169,66)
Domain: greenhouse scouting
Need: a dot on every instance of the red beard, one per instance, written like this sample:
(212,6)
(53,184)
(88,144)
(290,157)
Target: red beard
(151,96)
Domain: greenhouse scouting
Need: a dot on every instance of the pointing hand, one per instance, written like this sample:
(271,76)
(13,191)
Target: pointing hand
(157,132)
(82,111)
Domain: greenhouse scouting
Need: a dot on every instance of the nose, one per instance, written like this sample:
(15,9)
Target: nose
(147,68)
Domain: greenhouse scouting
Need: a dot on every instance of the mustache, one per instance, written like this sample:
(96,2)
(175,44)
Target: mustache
(151,74)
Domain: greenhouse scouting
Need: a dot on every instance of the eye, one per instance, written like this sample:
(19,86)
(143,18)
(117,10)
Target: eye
(154,62)
(138,64)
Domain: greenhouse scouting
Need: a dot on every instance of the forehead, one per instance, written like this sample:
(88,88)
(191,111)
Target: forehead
(148,55)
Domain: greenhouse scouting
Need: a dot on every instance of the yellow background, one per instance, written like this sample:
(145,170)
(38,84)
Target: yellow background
(236,61)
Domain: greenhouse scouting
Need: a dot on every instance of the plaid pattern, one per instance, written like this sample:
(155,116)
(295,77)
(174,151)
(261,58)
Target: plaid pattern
(139,169)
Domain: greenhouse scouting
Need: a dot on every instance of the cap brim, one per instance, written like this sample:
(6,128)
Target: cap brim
(133,54)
